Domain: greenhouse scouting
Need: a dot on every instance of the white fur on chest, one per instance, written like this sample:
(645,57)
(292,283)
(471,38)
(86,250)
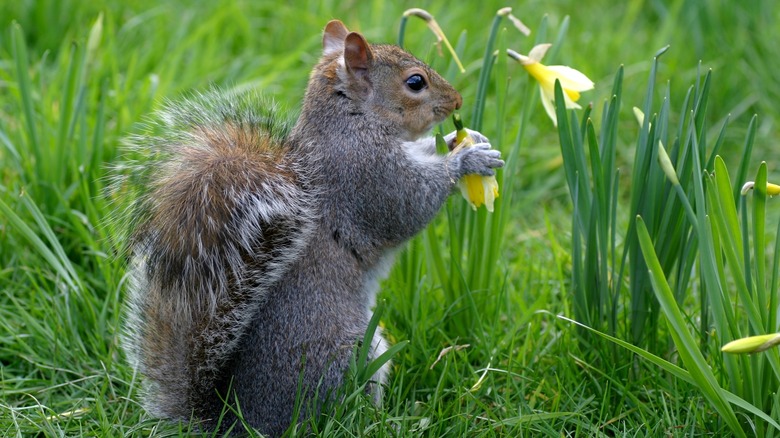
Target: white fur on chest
(421,151)
(379,345)
(375,275)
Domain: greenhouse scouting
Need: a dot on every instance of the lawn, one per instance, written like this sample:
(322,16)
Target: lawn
(594,301)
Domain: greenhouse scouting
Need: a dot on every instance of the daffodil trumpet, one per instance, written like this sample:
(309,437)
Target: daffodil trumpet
(476,189)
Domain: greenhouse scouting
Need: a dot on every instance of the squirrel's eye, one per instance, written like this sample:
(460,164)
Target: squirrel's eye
(416,82)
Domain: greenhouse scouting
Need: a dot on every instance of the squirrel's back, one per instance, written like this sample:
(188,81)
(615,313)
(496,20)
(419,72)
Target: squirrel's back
(222,211)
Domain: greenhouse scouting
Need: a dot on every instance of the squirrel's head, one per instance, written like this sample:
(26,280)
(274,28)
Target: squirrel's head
(387,82)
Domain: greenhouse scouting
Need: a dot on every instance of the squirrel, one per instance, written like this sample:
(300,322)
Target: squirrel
(257,247)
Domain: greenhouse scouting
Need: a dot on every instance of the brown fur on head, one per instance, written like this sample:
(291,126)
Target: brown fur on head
(386,82)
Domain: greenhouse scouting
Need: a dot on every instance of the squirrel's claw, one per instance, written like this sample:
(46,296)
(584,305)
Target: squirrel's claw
(478,159)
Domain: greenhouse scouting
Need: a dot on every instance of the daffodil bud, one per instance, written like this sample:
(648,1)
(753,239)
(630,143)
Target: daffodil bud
(752,344)
(476,189)
(666,165)
(663,157)
(640,116)
(771,189)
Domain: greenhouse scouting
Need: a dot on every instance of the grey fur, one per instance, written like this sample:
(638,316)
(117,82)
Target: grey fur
(258,250)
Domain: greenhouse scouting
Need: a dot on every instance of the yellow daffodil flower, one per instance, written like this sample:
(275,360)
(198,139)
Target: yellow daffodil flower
(477,189)
(752,344)
(572,81)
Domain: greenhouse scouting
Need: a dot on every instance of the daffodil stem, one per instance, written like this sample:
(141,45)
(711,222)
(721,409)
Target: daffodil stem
(745,246)
(434,27)
(484,74)
(747,152)
(438,261)
(402,31)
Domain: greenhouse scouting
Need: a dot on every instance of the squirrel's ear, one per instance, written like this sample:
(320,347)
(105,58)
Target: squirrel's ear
(357,53)
(333,38)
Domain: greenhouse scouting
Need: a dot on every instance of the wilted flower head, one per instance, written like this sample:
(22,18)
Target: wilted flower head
(572,81)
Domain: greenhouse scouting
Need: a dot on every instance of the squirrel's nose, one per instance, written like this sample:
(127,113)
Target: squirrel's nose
(458,101)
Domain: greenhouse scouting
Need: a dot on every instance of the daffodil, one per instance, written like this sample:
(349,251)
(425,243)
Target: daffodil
(477,189)
(573,82)
(771,189)
(752,344)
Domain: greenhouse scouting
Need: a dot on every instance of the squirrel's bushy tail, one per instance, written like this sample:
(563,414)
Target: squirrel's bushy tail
(220,214)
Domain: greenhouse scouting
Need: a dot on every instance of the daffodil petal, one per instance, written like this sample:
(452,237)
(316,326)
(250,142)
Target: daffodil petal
(547,103)
(537,53)
(570,78)
(570,104)
(490,188)
(471,189)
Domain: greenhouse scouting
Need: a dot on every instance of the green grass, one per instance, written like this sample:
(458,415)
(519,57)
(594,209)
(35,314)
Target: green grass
(564,242)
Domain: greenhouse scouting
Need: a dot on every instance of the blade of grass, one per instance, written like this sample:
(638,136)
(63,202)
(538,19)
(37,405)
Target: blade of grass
(23,79)
(678,372)
(56,258)
(484,74)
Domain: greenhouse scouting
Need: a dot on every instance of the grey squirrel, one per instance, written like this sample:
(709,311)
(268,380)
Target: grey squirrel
(257,247)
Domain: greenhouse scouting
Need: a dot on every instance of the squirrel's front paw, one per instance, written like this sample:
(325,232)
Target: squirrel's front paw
(478,159)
